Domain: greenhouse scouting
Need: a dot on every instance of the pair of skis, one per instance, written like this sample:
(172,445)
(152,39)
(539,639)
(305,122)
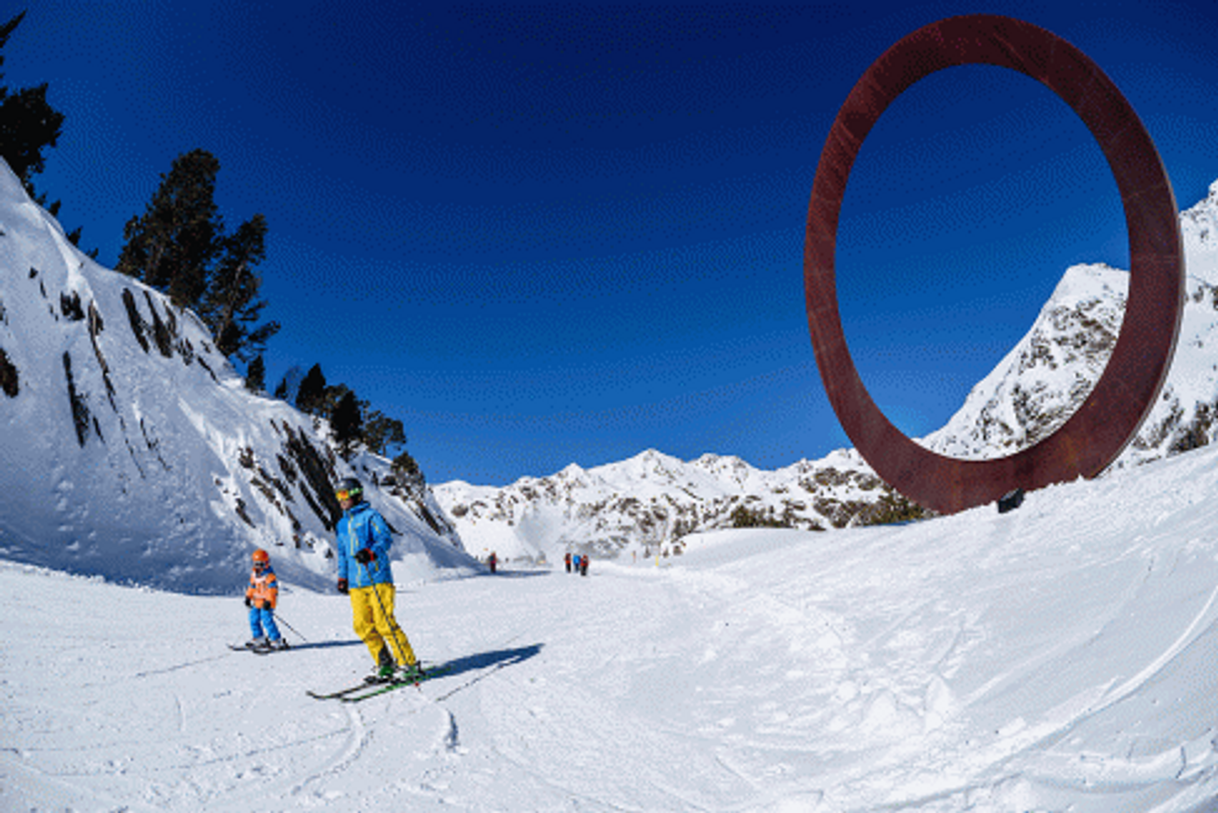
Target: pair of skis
(364,691)
(265,649)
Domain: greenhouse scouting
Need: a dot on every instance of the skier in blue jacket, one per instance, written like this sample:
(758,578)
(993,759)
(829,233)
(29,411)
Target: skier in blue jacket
(365,575)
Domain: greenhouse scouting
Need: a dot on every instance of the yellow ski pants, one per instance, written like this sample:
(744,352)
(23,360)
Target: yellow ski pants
(375,625)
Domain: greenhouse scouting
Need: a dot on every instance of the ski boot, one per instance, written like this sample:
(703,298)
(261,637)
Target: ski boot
(383,671)
(409,674)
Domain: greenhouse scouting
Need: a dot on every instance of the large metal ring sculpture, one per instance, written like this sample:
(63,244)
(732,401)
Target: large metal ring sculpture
(1110,416)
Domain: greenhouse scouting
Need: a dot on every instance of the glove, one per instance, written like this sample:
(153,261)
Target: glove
(342,586)
(247,602)
(364,556)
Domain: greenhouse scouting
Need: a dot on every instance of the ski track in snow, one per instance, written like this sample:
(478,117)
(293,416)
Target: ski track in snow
(1057,658)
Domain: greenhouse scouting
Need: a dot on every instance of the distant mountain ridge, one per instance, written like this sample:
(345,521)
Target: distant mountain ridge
(645,505)
(124,430)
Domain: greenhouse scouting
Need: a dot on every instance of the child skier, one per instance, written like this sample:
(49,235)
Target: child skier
(261,597)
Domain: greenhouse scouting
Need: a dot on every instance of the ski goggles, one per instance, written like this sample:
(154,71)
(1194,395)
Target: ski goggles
(346,495)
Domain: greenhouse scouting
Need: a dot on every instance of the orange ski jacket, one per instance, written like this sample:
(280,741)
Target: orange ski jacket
(263,589)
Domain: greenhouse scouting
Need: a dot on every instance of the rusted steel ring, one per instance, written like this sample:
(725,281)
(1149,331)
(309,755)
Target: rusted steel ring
(1110,416)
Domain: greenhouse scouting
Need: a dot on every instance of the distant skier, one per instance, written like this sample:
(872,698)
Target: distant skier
(567,560)
(492,561)
(261,597)
(583,565)
(364,573)
(575,560)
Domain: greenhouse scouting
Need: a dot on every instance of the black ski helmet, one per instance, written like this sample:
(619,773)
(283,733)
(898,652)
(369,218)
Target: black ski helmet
(353,487)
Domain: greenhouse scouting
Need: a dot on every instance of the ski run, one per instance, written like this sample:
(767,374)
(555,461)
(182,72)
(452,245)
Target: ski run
(1061,657)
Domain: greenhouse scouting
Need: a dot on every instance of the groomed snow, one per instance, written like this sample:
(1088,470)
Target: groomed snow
(1060,657)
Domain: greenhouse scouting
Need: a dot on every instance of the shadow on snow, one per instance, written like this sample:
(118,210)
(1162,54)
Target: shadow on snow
(516,574)
(497,659)
(323,644)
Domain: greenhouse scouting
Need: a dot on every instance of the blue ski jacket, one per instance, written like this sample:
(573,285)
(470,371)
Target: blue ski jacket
(362,527)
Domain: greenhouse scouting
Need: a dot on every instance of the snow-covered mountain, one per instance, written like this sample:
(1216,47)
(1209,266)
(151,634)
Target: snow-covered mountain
(1038,385)
(130,449)
(645,505)
(1040,382)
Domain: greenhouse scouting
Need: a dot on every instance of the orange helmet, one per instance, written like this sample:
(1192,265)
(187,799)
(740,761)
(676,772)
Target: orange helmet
(261,556)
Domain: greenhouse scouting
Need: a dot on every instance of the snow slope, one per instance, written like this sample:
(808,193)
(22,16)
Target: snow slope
(1059,657)
(129,448)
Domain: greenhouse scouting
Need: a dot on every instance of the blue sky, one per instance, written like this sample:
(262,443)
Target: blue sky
(553,233)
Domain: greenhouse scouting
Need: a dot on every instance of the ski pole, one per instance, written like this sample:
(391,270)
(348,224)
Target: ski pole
(284,621)
(390,620)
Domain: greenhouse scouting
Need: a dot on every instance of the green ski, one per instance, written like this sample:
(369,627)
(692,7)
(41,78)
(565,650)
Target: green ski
(375,689)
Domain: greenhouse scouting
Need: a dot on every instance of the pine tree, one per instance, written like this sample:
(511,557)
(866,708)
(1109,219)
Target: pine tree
(382,435)
(231,305)
(255,374)
(27,123)
(173,244)
(289,385)
(346,423)
(310,395)
(179,246)
(328,402)
(408,472)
